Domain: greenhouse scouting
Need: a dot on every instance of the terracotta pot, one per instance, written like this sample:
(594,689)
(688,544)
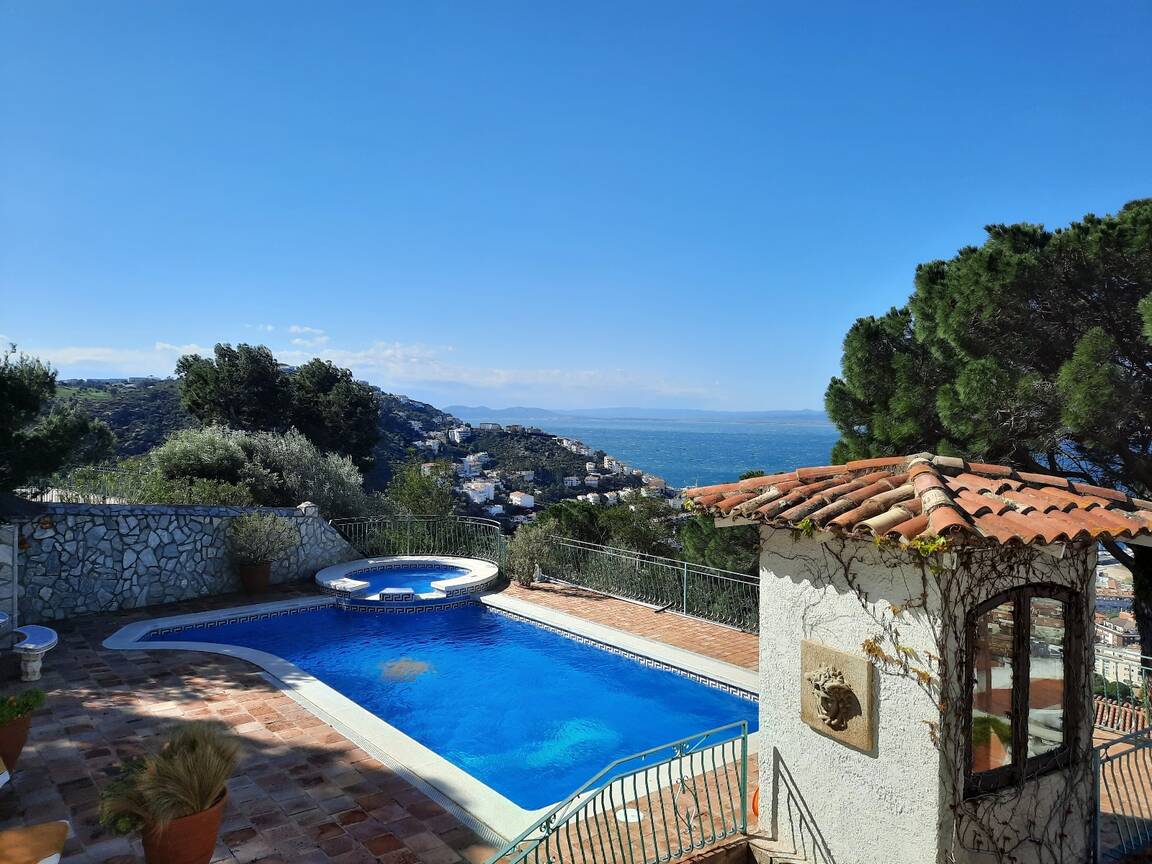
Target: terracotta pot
(187,840)
(255,577)
(13,734)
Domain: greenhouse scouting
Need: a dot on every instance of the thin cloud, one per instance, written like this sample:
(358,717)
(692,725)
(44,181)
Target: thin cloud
(396,366)
(300,328)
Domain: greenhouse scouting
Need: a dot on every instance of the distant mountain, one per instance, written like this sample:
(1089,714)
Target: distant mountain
(481,413)
(467,412)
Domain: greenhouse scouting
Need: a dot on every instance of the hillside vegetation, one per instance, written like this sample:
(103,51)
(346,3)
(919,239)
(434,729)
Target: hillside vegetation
(143,413)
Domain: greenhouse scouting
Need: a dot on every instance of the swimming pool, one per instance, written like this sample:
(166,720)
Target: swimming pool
(418,578)
(527,711)
(408,578)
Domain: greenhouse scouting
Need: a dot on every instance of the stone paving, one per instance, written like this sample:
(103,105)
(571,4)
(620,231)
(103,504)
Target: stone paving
(713,640)
(303,792)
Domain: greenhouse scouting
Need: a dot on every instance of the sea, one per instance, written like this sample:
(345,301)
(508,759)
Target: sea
(693,452)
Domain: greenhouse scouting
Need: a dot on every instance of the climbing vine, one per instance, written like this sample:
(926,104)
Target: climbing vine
(917,611)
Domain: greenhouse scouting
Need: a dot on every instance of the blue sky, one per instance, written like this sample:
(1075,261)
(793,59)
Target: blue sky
(581,204)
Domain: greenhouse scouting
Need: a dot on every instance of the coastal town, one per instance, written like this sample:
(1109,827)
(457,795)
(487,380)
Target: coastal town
(513,491)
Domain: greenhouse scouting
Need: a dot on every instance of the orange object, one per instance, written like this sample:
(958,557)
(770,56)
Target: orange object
(756,803)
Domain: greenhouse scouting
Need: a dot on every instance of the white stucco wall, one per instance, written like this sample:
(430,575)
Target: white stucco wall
(895,804)
(878,806)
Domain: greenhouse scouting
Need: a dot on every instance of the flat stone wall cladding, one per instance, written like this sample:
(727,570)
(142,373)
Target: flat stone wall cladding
(82,558)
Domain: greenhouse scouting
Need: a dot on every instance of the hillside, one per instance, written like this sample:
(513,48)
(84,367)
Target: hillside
(143,412)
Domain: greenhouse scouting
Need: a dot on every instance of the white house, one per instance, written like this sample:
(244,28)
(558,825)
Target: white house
(571,482)
(522,499)
(611,498)
(592,480)
(589,467)
(514,427)
(494,509)
(925,656)
(490,427)
(479,491)
(476,460)
(460,434)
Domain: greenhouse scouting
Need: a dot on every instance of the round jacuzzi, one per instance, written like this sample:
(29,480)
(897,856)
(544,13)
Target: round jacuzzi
(407,578)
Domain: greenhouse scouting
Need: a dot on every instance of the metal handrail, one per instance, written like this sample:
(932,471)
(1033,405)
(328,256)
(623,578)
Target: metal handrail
(593,825)
(465,536)
(720,596)
(1123,772)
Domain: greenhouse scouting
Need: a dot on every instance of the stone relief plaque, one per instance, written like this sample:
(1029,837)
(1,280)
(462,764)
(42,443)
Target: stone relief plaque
(836,695)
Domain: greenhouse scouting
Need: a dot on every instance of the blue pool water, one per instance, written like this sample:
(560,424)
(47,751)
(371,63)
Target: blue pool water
(529,712)
(418,578)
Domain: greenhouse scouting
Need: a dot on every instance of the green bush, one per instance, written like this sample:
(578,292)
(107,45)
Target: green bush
(257,538)
(15,707)
(530,546)
(276,470)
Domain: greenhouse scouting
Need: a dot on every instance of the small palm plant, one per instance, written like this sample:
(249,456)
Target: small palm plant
(187,776)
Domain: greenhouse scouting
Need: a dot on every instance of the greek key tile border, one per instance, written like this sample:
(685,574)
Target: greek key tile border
(231,619)
(632,655)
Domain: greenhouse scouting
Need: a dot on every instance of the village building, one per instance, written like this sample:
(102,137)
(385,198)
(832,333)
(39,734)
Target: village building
(522,499)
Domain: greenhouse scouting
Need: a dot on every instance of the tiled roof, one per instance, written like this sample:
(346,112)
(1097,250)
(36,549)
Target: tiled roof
(904,497)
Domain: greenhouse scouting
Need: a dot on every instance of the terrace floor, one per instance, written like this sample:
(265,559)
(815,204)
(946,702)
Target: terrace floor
(303,792)
(691,634)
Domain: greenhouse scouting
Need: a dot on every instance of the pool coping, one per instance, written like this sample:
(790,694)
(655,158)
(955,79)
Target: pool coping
(493,816)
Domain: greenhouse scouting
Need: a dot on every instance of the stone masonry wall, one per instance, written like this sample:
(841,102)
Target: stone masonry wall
(82,558)
(7,582)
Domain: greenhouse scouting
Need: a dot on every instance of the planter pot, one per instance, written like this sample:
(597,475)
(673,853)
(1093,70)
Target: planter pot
(12,737)
(187,840)
(255,577)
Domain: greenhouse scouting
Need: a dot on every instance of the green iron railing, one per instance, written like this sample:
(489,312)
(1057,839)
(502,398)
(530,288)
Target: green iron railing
(1123,769)
(720,596)
(464,536)
(651,807)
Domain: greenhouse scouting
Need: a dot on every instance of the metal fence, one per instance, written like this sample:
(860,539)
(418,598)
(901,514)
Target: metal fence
(93,485)
(721,596)
(655,806)
(465,536)
(1124,795)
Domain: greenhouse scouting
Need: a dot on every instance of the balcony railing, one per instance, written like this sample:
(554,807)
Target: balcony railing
(1123,796)
(463,536)
(655,806)
(720,596)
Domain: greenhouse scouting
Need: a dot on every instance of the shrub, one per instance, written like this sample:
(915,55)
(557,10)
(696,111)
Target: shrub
(212,453)
(530,547)
(15,707)
(187,776)
(256,538)
(276,470)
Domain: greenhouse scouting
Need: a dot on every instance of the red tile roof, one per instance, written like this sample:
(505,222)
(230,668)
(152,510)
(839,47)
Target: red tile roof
(904,497)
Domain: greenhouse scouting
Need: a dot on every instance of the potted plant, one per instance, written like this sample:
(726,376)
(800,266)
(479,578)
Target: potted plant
(255,540)
(15,718)
(175,798)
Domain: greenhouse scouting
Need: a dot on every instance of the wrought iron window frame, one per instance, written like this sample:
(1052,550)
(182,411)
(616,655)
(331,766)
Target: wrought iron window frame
(1024,767)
